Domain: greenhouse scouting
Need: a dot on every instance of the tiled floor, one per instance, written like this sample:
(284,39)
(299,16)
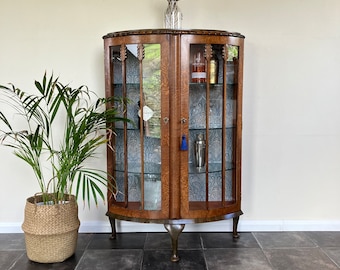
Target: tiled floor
(211,251)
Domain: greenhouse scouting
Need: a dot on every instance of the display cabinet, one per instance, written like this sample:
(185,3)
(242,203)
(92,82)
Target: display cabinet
(179,160)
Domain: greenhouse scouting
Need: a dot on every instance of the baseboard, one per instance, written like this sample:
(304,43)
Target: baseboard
(223,226)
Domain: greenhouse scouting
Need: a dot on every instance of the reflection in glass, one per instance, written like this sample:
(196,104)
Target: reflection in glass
(232,52)
(152,87)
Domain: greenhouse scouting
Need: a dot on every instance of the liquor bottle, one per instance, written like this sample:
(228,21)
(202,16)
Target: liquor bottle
(199,74)
(213,69)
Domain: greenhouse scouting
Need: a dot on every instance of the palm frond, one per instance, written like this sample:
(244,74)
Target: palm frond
(87,126)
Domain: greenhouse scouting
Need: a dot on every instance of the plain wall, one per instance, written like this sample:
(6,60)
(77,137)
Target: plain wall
(291,124)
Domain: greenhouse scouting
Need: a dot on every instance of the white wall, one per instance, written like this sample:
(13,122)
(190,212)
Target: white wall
(291,143)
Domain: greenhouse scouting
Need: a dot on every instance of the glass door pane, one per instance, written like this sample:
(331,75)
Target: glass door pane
(150,112)
(137,153)
(212,125)
(231,82)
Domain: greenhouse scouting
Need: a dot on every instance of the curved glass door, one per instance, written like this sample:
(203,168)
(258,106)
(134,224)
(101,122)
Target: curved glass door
(212,125)
(136,70)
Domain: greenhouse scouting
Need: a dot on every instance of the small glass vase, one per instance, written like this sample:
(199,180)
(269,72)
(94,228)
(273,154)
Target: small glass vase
(173,16)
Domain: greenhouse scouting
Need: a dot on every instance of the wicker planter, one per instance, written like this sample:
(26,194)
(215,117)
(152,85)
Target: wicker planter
(51,231)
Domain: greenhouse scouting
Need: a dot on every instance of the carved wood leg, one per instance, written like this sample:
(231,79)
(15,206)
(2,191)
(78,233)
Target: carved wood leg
(113,227)
(174,230)
(235,223)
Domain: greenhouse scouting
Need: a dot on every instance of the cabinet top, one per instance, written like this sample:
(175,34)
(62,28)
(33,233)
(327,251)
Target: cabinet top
(162,31)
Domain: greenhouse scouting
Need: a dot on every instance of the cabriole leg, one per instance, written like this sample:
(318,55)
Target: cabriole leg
(174,230)
(235,224)
(113,227)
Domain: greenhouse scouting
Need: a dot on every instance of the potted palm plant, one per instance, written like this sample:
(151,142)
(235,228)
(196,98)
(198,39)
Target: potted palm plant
(62,129)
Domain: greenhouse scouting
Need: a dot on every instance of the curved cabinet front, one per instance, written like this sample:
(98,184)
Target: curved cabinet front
(179,160)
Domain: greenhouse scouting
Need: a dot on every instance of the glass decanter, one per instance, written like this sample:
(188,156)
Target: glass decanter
(173,16)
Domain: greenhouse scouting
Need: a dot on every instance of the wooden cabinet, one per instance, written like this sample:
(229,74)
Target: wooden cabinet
(184,91)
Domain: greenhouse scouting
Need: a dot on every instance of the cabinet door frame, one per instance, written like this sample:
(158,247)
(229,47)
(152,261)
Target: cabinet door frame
(125,212)
(224,211)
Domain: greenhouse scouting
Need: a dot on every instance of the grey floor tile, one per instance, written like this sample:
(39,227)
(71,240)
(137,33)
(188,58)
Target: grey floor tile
(299,259)
(226,240)
(158,241)
(12,241)
(211,250)
(103,259)
(163,241)
(84,240)
(283,239)
(189,241)
(69,264)
(333,253)
(122,241)
(236,258)
(160,260)
(8,258)
(325,239)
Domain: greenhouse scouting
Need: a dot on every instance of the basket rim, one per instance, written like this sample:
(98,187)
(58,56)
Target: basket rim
(38,198)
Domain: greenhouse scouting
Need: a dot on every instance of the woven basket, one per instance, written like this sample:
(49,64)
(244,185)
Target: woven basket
(51,231)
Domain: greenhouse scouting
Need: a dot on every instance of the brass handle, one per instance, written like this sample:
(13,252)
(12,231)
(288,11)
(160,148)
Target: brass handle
(183,120)
(166,120)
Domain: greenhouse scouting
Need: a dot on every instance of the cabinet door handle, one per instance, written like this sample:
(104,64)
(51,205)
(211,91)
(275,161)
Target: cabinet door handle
(183,120)
(166,120)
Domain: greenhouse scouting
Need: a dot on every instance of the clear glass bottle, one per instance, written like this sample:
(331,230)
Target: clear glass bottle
(173,16)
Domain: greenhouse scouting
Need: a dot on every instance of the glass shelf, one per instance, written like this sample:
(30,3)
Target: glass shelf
(213,167)
(155,168)
(129,127)
(133,85)
(212,85)
(211,128)
(192,85)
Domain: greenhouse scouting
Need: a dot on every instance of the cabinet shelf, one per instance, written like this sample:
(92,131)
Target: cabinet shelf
(211,128)
(192,85)
(212,86)
(155,168)
(134,128)
(212,168)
